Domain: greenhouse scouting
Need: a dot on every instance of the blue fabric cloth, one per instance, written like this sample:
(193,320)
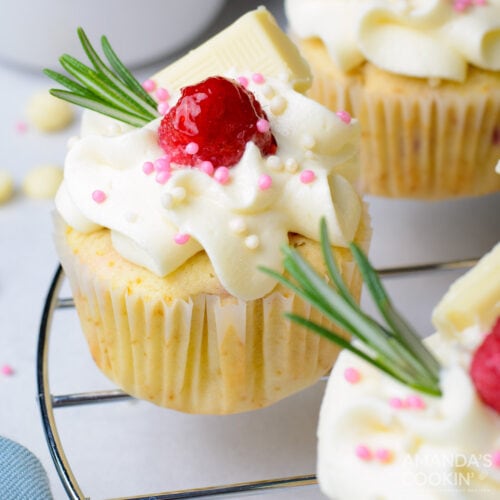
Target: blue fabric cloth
(22,476)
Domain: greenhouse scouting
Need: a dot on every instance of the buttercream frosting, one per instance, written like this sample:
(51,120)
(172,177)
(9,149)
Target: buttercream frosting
(420,38)
(408,445)
(238,224)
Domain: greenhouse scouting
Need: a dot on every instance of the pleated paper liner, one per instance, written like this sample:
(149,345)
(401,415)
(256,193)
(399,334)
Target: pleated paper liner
(420,138)
(208,354)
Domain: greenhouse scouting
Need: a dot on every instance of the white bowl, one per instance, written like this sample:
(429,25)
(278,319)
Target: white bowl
(35,33)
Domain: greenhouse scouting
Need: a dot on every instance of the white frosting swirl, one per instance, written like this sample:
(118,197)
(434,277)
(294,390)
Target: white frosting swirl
(443,451)
(421,38)
(239,225)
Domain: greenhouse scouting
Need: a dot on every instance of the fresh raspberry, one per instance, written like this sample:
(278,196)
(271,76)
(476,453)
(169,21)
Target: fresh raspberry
(485,368)
(219,116)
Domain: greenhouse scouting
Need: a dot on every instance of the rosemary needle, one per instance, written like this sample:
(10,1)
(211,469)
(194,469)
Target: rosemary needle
(110,90)
(392,347)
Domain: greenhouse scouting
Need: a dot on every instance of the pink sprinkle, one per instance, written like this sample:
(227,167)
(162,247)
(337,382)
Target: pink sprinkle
(461,5)
(148,167)
(192,148)
(162,94)
(352,375)
(242,80)
(383,455)
(415,402)
(163,176)
(162,164)
(163,108)
(307,176)
(258,78)
(99,196)
(363,452)
(479,2)
(7,370)
(495,458)
(21,127)
(265,182)
(181,238)
(221,175)
(149,85)
(207,167)
(263,125)
(344,116)
(396,403)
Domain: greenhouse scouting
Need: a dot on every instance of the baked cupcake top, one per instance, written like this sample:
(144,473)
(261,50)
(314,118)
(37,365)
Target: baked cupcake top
(419,38)
(409,445)
(166,195)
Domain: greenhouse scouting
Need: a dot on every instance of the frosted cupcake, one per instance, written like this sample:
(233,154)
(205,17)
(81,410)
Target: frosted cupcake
(423,78)
(425,426)
(162,227)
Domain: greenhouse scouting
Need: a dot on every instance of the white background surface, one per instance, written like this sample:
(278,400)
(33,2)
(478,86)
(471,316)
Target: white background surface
(129,448)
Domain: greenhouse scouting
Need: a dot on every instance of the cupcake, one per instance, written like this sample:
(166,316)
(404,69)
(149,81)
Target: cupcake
(162,224)
(411,438)
(423,78)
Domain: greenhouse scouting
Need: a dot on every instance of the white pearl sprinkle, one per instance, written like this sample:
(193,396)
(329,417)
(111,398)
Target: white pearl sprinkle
(309,154)
(167,200)
(267,91)
(252,241)
(307,141)
(237,225)
(179,193)
(274,162)
(278,105)
(291,165)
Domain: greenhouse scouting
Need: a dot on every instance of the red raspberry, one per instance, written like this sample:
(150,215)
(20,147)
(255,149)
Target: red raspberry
(219,116)
(485,368)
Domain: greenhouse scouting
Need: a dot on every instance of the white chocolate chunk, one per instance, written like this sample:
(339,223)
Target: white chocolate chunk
(254,42)
(473,299)
(42,181)
(6,186)
(48,113)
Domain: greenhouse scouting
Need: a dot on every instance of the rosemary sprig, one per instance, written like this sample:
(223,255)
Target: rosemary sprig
(394,348)
(112,91)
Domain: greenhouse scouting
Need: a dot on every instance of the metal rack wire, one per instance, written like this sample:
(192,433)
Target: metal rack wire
(49,402)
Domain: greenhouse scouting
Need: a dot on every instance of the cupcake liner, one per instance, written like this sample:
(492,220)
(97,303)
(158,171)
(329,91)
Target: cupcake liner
(211,354)
(419,140)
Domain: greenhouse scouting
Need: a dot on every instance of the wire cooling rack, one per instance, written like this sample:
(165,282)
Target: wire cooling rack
(49,402)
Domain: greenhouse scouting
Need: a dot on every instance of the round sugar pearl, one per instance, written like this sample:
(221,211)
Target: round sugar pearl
(363,452)
(252,242)
(352,375)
